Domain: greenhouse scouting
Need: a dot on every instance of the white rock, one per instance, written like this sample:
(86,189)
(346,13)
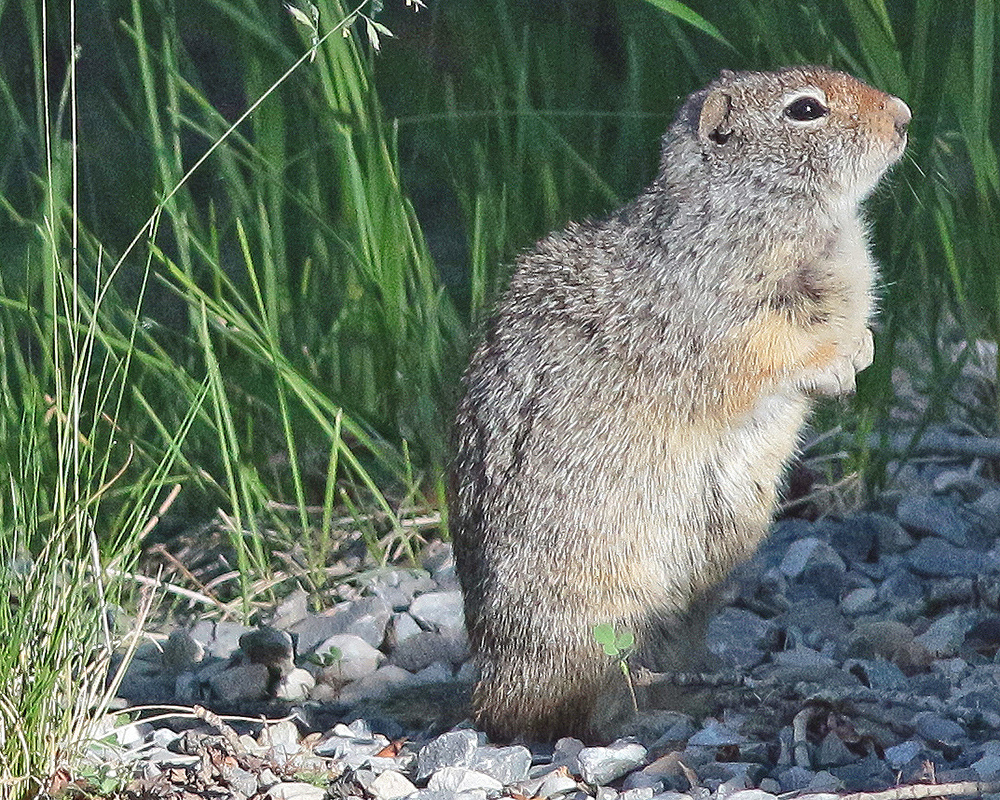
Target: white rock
(460,779)
(601,765)
(390,785)
(283,735)
(357,658)
(296,685)
(296,791)
(439,610)
(556,783)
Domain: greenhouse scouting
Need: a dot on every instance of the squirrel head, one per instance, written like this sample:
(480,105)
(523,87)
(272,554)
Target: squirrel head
(808,131)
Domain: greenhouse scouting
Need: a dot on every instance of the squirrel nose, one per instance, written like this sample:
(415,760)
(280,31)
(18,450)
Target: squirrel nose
(900,113)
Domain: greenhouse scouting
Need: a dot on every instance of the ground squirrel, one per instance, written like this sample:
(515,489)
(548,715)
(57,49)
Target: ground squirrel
(642,385)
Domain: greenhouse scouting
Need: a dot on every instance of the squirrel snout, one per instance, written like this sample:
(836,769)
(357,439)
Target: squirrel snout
(900,113)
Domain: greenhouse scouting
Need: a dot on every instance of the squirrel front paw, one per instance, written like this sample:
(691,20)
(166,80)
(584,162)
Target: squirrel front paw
(837,377)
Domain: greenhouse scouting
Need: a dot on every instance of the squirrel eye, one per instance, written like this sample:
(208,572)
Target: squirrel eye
(805,109)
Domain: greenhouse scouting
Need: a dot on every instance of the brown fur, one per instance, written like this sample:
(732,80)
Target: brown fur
(642,385)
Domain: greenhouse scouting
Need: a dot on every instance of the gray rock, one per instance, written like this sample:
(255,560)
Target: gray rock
(314,630)
(934,557)
(854,539)
(403,627)
(951,593)
(453,749)
(437,794)
(163,737)
(556,784)
(439,610)
(898,756)
(447,579)
(795,779)
(438,672)
(715,734)
(825,783)
(859,601)
(467,673)
(987,767)
(269,646)
(986,512)
(380,764)
(803,657)
(864,773)
(385,679)
(181,652)
(281,739)
(605,793)
(810,552)
(964,484)
(426,647)
(661,728)
(342,743)
(242,682)
(601,765)
(881,675)
(397,587)
(947,634)
(506,764)
(640,779)
(166,758)
(358,658)
(938,731)
(390,785)
(461,779)
(437,555)
(241,780)
(832,752)
(365,618)
(900,588)
(267,777)
(735,636)
(221,639)
(567,754)
(927,515)
(890,536)
(727,777)
(293,609)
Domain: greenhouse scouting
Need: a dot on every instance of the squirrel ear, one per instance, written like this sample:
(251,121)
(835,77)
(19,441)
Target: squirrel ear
(714,115)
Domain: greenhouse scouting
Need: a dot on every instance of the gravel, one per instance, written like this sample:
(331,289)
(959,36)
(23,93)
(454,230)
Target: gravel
(854,652)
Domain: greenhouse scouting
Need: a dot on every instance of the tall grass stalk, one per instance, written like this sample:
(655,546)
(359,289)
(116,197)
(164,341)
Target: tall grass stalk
(77,490)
